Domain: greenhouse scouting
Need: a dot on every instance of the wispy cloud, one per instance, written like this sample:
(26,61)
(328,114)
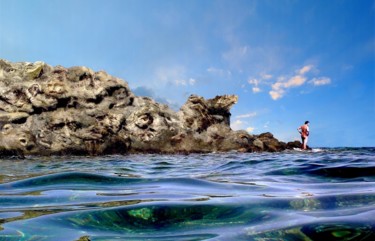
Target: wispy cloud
(250,129)
(265,76)
(184,82)
(237,124)
(280,87)
(219,72)
(255,82)
(192,81)
(173,75)
(241,125)
(320,81)
(236,56)
(305,69)
(248,115)
(275,95)
(169,74)
(256,89)
(240,122)
(236,52)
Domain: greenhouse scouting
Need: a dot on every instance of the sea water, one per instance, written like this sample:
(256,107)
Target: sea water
(327,194)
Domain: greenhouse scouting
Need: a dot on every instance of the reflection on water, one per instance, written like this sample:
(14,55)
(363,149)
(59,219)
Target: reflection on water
(326,195)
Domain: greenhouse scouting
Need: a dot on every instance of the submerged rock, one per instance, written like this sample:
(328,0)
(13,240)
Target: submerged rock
(55,110)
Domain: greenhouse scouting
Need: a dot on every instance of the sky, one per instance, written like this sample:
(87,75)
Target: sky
(287,60)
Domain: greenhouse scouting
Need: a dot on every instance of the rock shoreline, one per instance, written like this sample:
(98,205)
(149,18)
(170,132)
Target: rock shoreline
(47,110)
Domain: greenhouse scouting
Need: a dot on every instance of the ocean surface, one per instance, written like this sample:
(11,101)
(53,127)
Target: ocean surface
(325,194)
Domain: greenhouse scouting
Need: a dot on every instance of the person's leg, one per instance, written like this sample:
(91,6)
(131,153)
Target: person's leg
(305,143)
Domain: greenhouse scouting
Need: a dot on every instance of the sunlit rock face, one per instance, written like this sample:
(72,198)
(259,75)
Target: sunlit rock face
(48,110)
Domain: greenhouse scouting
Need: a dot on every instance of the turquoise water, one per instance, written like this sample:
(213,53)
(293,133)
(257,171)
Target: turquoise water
(324,195)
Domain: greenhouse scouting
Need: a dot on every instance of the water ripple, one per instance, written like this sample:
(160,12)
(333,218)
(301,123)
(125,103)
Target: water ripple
(324,195)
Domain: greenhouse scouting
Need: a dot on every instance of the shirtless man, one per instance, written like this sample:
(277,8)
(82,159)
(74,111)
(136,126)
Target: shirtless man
(304,131)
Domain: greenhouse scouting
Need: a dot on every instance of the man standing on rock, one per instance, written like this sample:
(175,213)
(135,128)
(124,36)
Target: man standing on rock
(304,131)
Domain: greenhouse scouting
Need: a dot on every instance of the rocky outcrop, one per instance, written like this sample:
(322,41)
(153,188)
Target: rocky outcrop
(55,110)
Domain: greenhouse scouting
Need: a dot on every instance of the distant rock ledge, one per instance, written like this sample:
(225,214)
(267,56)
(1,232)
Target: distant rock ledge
(47,110)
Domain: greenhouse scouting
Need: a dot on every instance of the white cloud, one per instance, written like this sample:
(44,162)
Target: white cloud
(265,76)
(295,81)
(215,70)
(256,89)
(278,88)
(305,69)
(320,81)
(237,125)
(192,81)
(174,74)
(185,82)
(275,95)
(250,129)
(180,82)
(260,81)
(253,81)
(240,125)
(219,72)
(248,115)
(170,74)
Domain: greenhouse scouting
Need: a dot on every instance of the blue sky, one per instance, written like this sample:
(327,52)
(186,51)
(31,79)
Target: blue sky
(287,60)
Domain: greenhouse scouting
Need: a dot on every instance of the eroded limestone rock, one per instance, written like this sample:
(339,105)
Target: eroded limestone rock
(55,110)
